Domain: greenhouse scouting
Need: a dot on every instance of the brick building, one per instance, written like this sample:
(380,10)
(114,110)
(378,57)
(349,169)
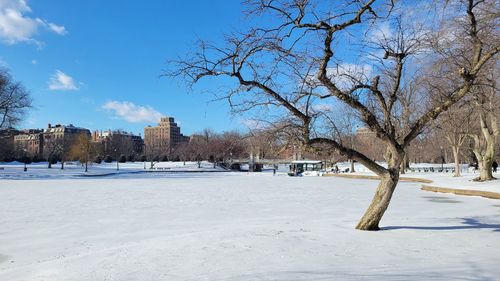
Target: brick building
(57,140)
(133,144)
(29,143)
(164,137)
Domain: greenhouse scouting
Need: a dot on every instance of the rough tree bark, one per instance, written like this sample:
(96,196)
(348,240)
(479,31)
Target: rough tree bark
(380,201)
(456,159)
(389,179)
(485,154)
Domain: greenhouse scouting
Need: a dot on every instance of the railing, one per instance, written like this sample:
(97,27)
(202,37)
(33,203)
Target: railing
(433,169)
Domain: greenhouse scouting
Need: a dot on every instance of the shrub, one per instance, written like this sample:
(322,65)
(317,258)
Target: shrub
(98,160)
(123,158)
(36,159)
(108,159)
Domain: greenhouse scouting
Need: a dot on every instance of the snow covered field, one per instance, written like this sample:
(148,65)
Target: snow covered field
(14,170)
(239,226)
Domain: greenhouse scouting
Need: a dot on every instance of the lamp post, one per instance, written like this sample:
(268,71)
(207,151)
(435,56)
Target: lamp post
(25,160)
(117,162)
(442,159)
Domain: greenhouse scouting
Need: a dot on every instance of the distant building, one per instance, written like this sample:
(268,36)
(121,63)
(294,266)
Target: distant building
(46,143)
(366,142)
(59,138)
(29,143)
(7,143)
(127,141)
(162,138)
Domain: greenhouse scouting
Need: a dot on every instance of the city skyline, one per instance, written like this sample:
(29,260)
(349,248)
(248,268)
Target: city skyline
(82,66)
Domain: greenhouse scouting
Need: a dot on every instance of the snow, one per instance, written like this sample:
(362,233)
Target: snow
(238,226)
(465,181)
(14,170)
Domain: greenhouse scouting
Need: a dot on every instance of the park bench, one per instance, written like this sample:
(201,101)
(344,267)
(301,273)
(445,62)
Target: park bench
(433,169)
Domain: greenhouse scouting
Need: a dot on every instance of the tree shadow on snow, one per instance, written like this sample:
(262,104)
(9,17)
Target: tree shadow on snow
(467,223)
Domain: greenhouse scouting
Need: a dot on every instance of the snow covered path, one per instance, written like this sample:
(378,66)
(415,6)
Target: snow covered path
(236,226)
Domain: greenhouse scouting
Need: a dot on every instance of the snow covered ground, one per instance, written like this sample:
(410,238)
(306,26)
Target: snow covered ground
(465,181)
(239,226)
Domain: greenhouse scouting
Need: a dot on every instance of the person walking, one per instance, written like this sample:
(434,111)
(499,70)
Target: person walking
(495,166)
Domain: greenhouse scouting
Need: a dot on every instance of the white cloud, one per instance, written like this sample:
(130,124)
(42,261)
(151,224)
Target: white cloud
(60,81)
(322,107)
(131,112)
(34,62)
(347,74)
(59,29)
(382,32)
(16,26)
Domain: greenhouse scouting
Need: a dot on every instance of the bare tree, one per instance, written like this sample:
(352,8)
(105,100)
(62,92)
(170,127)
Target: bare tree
(292,65)
(56,148)
(51,150)
(84,150)
(456,126)
(15,100)
(198,148)
(485,139)
(120,144)
(152,154)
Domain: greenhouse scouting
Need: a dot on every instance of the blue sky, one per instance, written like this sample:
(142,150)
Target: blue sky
(95,62)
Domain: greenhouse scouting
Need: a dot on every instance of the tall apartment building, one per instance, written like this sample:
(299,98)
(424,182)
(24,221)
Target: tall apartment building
(162,138)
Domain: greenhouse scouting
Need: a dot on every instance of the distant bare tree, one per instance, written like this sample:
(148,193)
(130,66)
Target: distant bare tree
(15,100)
(455,126)
(52,149)
(84,150)
(119,144)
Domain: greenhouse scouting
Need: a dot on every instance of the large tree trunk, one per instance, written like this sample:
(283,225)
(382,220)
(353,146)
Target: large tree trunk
(402,167)
(485,162)
(380,202)
(485,168)
(485,156)
(456,150)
